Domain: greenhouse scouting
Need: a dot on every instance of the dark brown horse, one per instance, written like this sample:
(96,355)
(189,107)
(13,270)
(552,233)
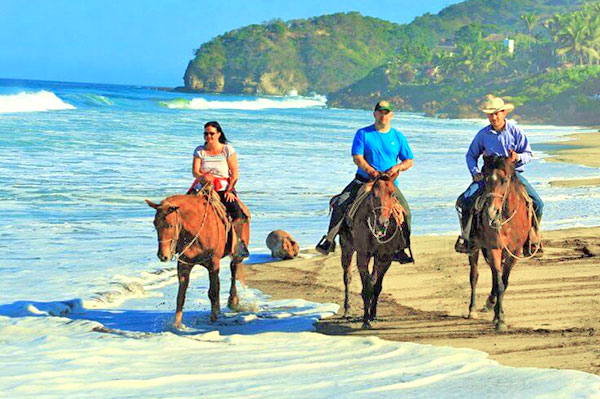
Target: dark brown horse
(501,227)
(188,225)
(373,231)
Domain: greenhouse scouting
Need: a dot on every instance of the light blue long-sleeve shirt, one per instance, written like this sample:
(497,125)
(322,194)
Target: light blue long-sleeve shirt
(489,142)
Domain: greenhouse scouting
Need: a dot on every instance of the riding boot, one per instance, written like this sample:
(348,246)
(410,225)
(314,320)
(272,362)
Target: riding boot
(325,246)
(402,257)
(533,244)
(462,244)
(241,249)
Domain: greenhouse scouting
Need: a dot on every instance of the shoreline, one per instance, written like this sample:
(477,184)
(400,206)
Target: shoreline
(551,306)
(580,149)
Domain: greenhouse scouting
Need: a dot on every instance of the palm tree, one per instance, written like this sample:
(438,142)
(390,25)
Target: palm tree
(574,37)
(531,21)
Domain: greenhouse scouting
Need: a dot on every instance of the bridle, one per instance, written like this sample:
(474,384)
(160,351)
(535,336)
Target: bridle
(495,224)
(377,231)
(178,226)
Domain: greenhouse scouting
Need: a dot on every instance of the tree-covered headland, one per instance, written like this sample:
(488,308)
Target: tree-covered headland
(543,55)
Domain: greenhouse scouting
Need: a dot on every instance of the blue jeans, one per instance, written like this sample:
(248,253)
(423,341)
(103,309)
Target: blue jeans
(476,188)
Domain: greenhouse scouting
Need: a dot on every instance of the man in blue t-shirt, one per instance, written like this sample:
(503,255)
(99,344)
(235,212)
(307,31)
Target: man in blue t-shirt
(376,149)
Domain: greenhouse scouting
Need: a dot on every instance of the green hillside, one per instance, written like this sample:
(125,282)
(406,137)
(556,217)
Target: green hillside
(438,64)
(552,75)
(319,54)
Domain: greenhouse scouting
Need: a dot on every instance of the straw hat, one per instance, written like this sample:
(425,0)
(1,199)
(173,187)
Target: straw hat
(495,104)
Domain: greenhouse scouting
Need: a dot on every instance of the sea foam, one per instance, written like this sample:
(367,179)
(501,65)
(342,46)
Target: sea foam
(32,102)
(255,104)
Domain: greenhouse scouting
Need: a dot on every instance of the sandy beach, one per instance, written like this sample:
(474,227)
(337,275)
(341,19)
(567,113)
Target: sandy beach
(552,305)
(581,149)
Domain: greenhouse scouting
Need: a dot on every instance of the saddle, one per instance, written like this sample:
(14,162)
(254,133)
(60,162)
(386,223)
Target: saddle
(474,219)
(212,197)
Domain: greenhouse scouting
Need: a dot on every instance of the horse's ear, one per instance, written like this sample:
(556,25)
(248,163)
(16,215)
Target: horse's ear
(152,204)
(394,175)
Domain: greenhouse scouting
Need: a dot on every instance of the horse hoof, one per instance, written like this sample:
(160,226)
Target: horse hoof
(473,315)
(366,325)
(501,327)
(233,303)
(489,305)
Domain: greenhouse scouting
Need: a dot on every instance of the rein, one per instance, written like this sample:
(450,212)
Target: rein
(372,225)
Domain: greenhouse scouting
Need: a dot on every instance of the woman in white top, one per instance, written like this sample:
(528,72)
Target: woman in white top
(216,162)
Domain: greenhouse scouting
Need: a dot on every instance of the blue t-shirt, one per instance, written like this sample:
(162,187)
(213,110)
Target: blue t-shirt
(380,150)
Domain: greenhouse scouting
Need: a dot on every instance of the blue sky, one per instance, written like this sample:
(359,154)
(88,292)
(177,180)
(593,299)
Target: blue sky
(147,42)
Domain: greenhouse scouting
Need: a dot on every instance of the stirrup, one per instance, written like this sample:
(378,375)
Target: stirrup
(324,247)
(402,257)
(462,245)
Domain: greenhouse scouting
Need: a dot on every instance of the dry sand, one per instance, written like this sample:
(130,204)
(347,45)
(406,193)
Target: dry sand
(552,305)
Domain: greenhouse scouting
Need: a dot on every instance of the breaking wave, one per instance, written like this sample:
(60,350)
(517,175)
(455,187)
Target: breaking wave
(32,102)
(256,104)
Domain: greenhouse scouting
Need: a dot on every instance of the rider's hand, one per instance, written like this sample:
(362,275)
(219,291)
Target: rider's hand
(393,169)
(207,177)
(229,196)
(478,177)
(514,157)
(374,173)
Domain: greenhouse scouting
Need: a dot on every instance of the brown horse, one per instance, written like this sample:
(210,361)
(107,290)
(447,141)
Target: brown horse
(372,231)
(501,227)
(188,225)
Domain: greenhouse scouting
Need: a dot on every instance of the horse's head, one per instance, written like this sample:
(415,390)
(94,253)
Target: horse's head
(497,173)
(382,197)
(168,227)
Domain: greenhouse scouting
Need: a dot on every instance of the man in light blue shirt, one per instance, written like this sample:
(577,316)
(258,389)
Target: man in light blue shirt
(501,138)
(376,149)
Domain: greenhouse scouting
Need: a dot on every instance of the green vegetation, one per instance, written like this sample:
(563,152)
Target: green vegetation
(319,54)
(440,64)
(553,74)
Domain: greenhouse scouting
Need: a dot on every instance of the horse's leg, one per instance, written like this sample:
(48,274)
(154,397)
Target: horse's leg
(183,275)
(490,303)
(214,289)
(507,267)
(362,262)
(496,258)
(379,269)
(233,300)
(347,252)
(473,277)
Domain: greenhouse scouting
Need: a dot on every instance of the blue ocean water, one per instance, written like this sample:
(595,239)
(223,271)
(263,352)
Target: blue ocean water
(78,160)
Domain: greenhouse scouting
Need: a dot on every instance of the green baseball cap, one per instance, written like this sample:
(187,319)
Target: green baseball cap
(384,105)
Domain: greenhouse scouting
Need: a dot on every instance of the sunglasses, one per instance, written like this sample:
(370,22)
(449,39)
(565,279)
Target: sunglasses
(210,133)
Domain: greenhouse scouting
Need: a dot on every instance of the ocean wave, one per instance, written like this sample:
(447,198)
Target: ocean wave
(90,99)
(256,104)
(32,102)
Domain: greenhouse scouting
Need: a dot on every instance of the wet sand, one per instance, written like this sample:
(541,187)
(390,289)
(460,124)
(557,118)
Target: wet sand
(552,305)
(581,149)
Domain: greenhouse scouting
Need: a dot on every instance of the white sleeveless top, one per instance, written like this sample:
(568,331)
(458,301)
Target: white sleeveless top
(216,165)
